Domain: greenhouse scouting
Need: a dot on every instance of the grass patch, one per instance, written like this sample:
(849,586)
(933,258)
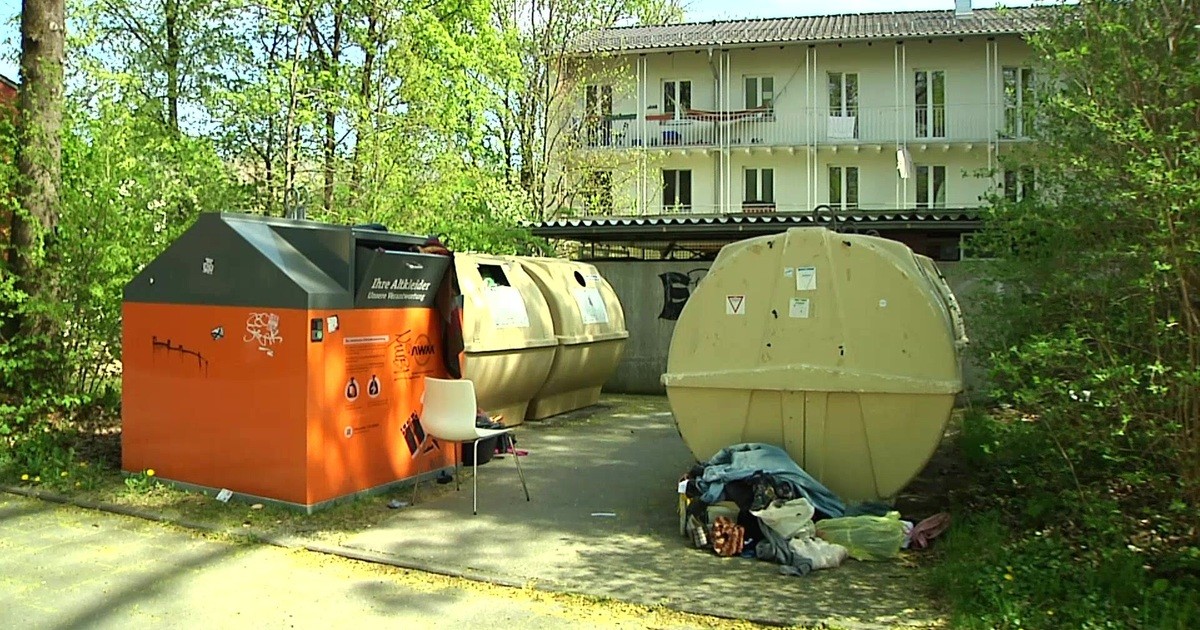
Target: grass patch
(84,463)
(1039,546)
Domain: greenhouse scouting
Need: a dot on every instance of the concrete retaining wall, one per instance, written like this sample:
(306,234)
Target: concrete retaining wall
(654,292)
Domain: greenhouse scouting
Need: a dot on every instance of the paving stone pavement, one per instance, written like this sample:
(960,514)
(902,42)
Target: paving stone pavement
(65,567)
(603,521)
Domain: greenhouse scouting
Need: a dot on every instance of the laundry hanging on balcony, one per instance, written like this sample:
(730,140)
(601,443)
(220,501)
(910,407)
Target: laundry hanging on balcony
(758,113)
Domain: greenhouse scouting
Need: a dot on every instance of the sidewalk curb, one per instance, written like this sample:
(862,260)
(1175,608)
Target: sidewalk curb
(350,553)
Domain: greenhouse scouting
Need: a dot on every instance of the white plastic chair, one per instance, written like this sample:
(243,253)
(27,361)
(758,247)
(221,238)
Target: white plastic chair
(449,415)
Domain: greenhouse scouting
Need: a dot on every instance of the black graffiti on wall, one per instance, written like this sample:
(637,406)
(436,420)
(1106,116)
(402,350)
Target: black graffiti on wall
(677,288)
(201,362)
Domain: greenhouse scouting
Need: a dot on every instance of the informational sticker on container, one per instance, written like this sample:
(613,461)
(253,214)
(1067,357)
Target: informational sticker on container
(508,307)
(735,305)
(806,278)
(591,306)
(799,308)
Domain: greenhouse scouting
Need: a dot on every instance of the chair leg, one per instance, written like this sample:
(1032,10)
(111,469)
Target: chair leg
(457,453)
(513,445)
(475,478)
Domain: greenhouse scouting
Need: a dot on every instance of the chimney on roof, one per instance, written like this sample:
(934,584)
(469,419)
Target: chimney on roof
(962,8)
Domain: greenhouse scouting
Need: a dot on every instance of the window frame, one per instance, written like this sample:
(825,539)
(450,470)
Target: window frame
(1019,100)
(1019,183)
(930,190)
(758,91)
(598,191)
(929,118)
(597,113)
(672,180)
(844,187)
(844,93)
(677,112)
(759,188)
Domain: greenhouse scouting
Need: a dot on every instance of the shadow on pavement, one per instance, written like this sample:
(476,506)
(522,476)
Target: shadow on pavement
(603,521)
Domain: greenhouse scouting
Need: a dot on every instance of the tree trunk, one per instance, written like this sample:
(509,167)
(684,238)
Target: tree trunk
(171,23)
(39,151)
(370,49)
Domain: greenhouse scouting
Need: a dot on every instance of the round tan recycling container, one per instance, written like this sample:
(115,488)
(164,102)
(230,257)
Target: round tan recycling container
(508,334)
(590,326)
(842,349)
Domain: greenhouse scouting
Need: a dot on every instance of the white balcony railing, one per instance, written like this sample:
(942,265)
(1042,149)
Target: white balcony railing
(864,125)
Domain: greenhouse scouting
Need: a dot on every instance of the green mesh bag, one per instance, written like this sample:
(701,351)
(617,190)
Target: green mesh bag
(865,537)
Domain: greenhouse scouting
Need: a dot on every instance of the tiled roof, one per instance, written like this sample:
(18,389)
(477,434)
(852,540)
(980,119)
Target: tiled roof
(845,27)
(718,226)
(9,82)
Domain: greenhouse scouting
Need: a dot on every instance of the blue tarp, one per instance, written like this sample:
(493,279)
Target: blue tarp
(742,461)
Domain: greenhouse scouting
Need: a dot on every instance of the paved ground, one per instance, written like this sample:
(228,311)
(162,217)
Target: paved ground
(602,523)
(625,460)
(66,567)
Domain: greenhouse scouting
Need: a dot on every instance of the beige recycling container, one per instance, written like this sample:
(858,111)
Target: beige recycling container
(508,334)
(590,326)
(842,349)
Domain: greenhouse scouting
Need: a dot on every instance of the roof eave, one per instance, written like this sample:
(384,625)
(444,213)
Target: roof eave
(789,42)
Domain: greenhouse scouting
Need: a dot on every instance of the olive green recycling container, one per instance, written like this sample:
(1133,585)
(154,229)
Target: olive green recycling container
(842,349)
(508,335)
(589,324)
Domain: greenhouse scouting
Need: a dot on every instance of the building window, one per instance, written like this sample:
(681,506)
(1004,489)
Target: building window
(760,187)
(1019,184)
(931,186)
(843,187)
(843,105)
(1019,102)
(843,94)
(929,88)
(597,192)
(677,98)
(760,92)
(677,190)
(598,100)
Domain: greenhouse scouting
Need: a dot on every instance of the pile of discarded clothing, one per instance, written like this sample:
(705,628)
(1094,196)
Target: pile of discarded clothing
(752,501)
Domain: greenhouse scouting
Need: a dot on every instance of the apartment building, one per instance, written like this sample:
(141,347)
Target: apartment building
(887,122)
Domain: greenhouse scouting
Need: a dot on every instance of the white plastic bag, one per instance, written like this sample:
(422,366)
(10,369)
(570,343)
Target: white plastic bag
(823,554)
(790,520)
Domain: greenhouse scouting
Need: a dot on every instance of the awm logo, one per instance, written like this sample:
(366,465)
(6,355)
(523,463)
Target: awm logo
(422,350)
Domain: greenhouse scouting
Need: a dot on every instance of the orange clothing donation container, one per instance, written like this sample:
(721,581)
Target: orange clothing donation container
(283,359)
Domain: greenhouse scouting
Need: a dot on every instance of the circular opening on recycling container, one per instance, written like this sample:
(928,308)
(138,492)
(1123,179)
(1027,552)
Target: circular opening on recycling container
(580,280)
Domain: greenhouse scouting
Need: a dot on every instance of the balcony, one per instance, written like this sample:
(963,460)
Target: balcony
(783,128)
(769,209)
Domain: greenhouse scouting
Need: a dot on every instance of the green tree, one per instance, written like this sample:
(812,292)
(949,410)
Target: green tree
(538,129)
(1084,495)
(1100,312)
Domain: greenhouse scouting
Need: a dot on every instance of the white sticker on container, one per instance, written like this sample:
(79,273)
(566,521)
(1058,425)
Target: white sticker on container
(799,308)
(882,303)
(591,306)
(508,307)
(788,272)
(806,278)
(735,305)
